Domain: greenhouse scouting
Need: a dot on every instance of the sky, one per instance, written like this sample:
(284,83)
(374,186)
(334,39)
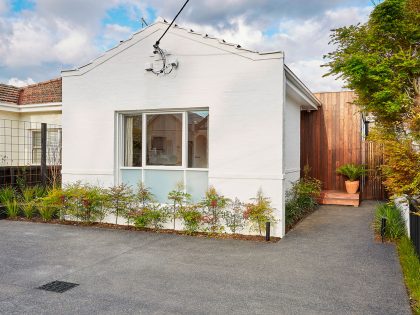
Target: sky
(39,38)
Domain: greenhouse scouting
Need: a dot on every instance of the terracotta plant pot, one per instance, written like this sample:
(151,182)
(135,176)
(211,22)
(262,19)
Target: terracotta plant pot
(352,187)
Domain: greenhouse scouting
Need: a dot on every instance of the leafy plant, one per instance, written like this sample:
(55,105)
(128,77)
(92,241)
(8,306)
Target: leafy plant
(402,162)
(50,205)
(179,199)
(213,206)
(234,216)
(7,193)
(191,218)
(120,198)
(380,61)
(12,208)
(410,264)
(152,216)
(352,171)
(144,195)
(301,198)
(85,202)
(395,227)
(259,212)
(29,194)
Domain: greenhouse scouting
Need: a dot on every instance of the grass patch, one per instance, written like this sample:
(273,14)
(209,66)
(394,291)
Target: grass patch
(395,227)
(410,264)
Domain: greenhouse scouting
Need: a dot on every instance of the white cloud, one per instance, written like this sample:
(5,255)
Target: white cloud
(304,42)
(4,6)
(20,83)
(62,33)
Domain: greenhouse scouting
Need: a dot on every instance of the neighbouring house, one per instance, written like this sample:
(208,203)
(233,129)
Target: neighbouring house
(194,109)
(22,110)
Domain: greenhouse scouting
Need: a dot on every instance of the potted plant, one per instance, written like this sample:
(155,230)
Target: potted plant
(353,172)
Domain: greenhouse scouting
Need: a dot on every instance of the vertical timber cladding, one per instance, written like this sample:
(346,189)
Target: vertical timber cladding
(332,136)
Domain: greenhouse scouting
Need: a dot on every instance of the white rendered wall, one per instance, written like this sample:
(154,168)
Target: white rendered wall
(244,98)
(292,141)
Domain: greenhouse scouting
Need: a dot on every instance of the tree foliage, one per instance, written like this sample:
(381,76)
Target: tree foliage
(380,61)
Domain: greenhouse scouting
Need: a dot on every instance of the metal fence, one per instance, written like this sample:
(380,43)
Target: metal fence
(30,153)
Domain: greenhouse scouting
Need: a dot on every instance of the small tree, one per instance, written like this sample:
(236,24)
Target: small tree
(120,199)
(179,198)
(259,212)
(234,216)
(214,205)
(144,195)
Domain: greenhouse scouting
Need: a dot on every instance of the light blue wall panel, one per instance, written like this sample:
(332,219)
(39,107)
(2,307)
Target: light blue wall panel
(197,184)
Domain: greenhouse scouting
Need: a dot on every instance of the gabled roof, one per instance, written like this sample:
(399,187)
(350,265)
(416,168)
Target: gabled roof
(294,86)
(206,39)
(39,93)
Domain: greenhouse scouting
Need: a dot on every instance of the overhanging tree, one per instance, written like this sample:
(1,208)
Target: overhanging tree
(379,60)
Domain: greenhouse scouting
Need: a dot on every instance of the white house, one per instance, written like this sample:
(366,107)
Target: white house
(219,115)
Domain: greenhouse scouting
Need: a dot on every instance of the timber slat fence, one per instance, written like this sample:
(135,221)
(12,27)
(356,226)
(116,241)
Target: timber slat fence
(335,135)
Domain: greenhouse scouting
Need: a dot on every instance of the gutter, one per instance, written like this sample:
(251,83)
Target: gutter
(31,108)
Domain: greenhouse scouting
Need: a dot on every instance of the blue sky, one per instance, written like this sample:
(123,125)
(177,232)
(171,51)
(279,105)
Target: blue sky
(39,38)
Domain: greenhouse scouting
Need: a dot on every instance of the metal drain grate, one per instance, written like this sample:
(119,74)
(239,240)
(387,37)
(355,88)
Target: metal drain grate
(58,286)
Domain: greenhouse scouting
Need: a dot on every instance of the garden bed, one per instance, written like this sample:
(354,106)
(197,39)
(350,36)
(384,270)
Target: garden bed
(254,238)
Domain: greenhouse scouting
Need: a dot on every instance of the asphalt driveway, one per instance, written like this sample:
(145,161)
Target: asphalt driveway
(329,264)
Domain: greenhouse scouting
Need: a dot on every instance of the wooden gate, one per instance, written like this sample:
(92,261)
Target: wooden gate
(333,136)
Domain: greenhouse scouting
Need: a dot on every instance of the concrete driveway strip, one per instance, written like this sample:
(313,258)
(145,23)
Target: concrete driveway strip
(329,264)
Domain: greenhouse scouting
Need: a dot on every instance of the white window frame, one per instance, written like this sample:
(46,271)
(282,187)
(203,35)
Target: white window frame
(120,136)
(31,143)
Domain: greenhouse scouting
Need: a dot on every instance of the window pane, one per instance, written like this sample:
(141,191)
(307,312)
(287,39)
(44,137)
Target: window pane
(36,138)
(198,129)
(133,141)
(36,155)
(164,139)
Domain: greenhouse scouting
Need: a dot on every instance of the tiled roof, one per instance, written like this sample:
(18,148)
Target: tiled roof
(9,94)
(39,93)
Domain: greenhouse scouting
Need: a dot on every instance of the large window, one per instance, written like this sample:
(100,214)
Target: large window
(133,141)
(166,139)
(198,139)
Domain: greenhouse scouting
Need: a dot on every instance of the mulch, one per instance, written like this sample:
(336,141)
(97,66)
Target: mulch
(253,238)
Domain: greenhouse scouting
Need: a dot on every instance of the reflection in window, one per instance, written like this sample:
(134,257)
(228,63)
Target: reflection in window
(164,139)
(198,127)
(133,137)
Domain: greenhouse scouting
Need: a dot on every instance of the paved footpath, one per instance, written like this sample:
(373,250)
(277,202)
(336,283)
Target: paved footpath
(329,264)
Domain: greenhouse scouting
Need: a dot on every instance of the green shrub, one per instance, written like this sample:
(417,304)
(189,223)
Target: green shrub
(50,205)
(301,198)
(179,199)
(121,198)
(352,171)
(86,203)
(259,212)
(234,216)
(154,216)
(191,218)
(7,193)
(12,208)
(29,194)
(213,207)
(410,264)
(395,227)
